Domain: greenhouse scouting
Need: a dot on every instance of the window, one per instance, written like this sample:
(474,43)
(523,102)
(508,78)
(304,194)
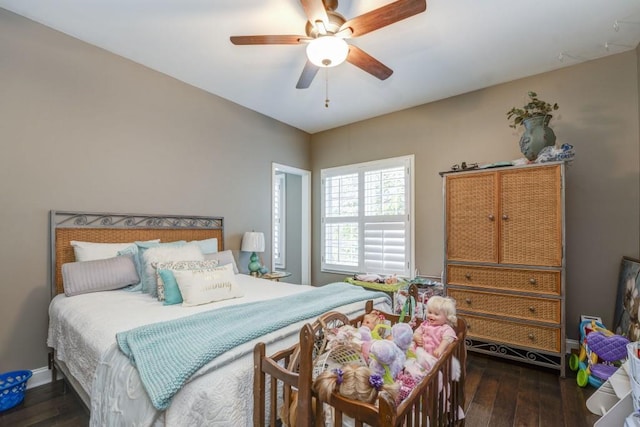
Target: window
(279,227)
(367,217)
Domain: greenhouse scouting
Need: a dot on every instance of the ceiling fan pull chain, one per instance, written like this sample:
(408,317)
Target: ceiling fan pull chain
(326,81)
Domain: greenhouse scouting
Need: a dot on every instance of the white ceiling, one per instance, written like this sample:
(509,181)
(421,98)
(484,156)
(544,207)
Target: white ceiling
(456,46)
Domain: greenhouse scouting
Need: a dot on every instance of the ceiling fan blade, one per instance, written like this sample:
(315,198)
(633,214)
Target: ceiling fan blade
(368,63)
(315,11)
(308,73)
(385,15)
(275,39)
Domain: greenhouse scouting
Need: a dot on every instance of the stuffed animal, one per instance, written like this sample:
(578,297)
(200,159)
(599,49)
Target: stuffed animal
(387,357)
(402,335)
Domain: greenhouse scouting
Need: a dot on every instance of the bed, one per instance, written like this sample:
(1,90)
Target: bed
(83,327)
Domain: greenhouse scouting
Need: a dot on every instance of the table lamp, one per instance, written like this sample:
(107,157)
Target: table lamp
(253,242)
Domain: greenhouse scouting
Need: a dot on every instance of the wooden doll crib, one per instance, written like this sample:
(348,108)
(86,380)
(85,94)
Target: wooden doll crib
(437,400)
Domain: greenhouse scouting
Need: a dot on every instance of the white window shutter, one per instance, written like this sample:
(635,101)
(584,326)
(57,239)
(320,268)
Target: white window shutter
(279,228)
(367,221)
(385,248)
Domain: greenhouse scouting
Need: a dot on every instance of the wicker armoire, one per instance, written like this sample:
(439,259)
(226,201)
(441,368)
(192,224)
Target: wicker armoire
(504,260)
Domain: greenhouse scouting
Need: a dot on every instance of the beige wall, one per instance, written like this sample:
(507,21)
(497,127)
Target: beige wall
(598,115)
(82,129)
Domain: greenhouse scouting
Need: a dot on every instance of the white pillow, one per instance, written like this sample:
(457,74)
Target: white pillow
(163,253)
(90,251)
(205,286)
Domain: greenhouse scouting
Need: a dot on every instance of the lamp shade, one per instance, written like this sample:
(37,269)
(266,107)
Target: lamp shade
(327,51)
(253,241)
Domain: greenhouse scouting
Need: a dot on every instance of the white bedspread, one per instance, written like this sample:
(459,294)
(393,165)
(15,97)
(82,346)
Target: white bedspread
(82,330)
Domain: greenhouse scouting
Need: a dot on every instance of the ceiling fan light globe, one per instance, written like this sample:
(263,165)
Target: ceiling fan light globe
(327,51)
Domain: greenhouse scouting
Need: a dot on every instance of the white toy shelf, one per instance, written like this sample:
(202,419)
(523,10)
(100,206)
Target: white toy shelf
(613,400)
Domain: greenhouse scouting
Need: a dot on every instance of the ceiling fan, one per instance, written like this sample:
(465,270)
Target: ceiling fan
(326,31)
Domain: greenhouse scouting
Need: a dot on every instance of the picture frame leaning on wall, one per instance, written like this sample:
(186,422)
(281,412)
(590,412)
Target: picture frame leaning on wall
(626,318)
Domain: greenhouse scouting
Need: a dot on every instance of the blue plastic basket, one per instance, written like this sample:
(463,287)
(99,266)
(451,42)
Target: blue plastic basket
(12,387)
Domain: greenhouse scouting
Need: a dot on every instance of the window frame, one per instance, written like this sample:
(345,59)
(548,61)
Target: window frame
(407,162)
(280,211)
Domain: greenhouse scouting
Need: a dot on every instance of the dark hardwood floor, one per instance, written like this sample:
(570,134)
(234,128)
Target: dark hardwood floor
(498,393)
(47,405)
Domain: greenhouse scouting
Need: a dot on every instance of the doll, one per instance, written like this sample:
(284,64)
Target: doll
(354,382)
(344,335)
(433,336)
(372,319)
(372,326)
(289,415)
(436,333)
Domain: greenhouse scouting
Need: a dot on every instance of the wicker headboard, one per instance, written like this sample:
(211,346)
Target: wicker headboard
(115,228)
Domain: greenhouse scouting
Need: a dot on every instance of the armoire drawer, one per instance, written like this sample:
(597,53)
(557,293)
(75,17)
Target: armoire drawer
(512,333)
(526,308)
(523,280)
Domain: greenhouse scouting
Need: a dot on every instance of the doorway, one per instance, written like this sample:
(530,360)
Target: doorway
(291,222)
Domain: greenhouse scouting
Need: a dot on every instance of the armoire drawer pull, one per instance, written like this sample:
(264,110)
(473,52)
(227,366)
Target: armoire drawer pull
(532,337)
(491,217)
(532,309)
(468,301)
(533,281)
(505,217)
(467,276)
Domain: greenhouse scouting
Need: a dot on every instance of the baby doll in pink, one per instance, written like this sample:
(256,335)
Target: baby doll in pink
(430,342)
(433,336)
(436,332)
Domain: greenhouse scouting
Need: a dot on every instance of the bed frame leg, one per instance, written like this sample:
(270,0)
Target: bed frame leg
(52,367)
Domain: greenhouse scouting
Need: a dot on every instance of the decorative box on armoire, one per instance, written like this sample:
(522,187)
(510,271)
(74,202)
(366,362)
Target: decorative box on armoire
(505,262)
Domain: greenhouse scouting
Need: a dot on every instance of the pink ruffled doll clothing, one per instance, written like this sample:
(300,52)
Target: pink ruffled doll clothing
(432,335)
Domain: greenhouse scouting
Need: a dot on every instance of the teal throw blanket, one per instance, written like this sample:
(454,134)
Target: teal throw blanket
(167,354)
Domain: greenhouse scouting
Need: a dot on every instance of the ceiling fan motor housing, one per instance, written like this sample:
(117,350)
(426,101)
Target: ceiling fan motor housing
(335,22)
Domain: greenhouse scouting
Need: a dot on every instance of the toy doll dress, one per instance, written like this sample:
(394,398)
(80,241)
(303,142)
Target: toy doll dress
(432,336)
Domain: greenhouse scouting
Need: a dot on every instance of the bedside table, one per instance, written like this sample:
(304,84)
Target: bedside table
(275,275)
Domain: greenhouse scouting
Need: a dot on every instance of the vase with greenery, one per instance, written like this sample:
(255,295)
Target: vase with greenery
(534,116)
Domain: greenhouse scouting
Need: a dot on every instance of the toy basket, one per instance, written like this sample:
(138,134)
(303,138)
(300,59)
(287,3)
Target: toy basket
(12,387)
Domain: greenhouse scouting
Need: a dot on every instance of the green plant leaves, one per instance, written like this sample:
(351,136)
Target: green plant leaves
(535,107)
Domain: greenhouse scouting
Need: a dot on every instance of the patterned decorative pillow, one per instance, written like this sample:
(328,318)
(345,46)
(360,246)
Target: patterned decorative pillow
(165,252)
(179,266)
(205,286)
